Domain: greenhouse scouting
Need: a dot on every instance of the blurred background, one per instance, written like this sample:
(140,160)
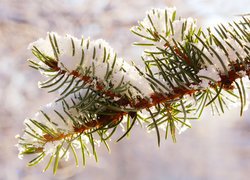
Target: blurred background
(215,147)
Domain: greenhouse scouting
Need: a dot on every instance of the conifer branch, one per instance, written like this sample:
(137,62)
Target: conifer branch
(186,70)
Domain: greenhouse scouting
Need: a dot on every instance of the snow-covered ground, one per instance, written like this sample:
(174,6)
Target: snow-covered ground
(215,148)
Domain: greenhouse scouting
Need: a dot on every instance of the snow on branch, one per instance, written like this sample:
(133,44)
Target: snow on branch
(186,69)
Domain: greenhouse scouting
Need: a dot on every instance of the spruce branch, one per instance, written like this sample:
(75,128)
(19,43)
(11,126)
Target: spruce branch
(186,70)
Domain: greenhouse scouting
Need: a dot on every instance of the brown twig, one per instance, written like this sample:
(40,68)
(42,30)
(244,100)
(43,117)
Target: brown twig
(141,103)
